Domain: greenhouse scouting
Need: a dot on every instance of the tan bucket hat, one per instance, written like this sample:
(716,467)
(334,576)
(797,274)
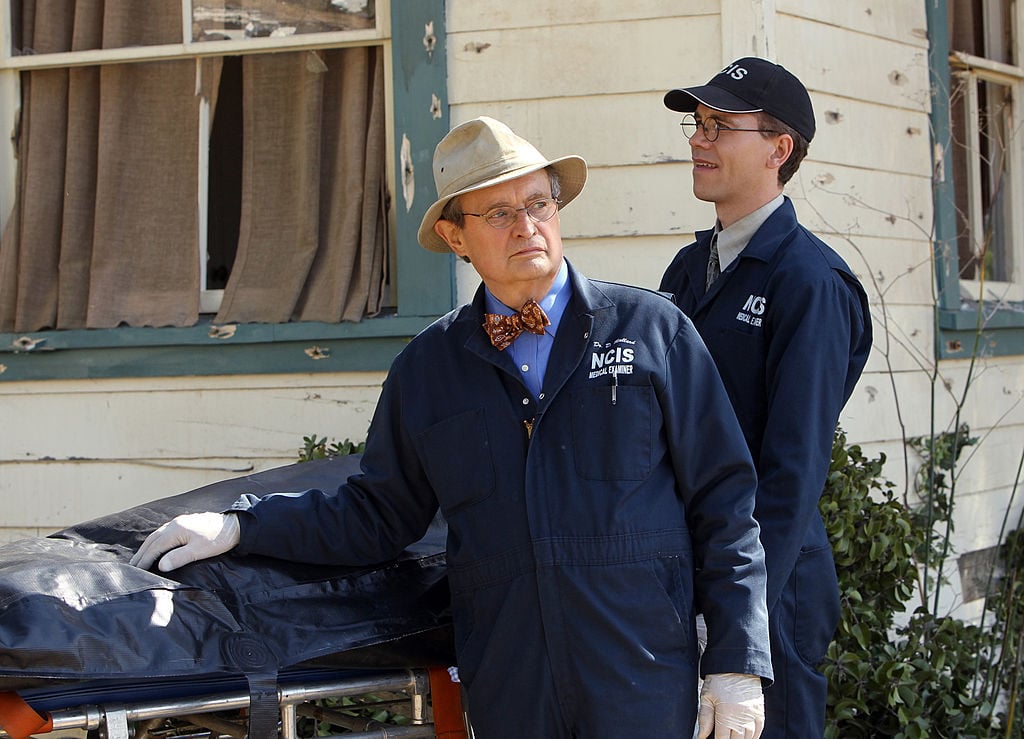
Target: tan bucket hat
(484,152)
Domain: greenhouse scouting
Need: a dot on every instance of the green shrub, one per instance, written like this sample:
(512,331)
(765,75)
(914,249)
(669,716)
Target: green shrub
(906,680)
(314,447)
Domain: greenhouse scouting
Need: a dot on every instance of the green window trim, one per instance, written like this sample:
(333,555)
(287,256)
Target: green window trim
(426,281)
(957,334)
(996,332)
(242,349)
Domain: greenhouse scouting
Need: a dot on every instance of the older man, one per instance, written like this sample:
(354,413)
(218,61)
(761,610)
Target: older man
(578,440)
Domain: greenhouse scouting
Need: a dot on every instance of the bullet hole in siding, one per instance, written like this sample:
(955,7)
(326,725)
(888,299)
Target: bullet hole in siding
(318,352)
(897,77)
(833,116)
(26,344)
(476,46)
(435,107)
(222,332)
(429,39)
(408,173)
(939,168)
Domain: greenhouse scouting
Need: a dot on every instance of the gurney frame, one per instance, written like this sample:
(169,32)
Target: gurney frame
(135,720)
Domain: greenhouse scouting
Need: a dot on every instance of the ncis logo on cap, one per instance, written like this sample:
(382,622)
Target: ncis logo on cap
(751,85)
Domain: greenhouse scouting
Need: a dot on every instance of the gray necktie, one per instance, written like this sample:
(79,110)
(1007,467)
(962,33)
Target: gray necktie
(713,266)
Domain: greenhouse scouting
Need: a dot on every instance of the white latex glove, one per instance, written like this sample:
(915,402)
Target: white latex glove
(186,538)
(732,706)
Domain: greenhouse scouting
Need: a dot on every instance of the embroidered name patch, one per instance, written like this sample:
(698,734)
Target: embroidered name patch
(613,357)
(753,310)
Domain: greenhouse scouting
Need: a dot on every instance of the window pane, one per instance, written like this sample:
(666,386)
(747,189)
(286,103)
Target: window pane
(112,193)
(225,179)
(246,19)
(982,126)
(995,128)
(38,27)
(982,130)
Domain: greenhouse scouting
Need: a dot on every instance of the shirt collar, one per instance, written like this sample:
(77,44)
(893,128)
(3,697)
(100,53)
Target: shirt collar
(553,303)
(734,239)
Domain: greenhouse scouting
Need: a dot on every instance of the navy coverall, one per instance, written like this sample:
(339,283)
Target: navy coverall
(789,327)
(575,554)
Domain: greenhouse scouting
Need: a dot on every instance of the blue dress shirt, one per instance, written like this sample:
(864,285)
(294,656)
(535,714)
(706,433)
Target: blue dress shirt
(530,351)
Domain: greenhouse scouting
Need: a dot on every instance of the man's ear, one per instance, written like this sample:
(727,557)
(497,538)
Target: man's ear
(782,151)
(452,235)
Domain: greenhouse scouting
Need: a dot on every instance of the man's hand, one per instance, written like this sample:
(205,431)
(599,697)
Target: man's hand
(187,538)
(732,706)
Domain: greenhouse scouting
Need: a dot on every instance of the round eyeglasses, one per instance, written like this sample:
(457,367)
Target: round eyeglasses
(504,216)
(712,127)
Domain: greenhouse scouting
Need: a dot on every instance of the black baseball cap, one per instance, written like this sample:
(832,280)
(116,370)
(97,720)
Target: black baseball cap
(751,85)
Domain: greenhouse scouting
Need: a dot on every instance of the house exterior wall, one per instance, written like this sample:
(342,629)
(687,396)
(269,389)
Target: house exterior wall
(588,77)
(75,450)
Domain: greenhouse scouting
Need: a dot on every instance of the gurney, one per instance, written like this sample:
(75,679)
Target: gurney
(231,646)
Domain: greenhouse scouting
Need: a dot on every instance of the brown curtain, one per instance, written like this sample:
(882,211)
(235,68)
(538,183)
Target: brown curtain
(311,246)
(105,226)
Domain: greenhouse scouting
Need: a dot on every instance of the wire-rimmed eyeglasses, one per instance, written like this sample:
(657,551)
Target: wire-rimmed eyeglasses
(504,216)
(712,127)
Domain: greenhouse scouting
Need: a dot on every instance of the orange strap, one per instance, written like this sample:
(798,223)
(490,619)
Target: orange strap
(19,719)
(447,702)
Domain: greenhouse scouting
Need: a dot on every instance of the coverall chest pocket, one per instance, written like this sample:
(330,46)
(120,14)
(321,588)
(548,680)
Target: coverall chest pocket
(456,454)
(612,432)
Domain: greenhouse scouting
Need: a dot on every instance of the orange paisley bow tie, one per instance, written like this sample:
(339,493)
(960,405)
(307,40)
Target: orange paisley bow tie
(503,330)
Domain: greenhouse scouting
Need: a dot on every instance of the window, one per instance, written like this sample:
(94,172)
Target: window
(986,87)
(239,160)
(977,78)
(120,217)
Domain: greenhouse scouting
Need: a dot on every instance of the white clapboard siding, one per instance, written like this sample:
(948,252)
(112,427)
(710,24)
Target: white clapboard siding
(870,135)
(995,397)
(896,271)
(855,65)
(993,400)
(44,498)
(987,471)
(859,202)
(88,447)
(182,418)
(904,339)
(636,200)
(606,130)
(897,20)
(886,406)
(494,14)
(637,261)
(574,60)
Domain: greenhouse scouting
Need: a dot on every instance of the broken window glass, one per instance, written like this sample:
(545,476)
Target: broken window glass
(248,19)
